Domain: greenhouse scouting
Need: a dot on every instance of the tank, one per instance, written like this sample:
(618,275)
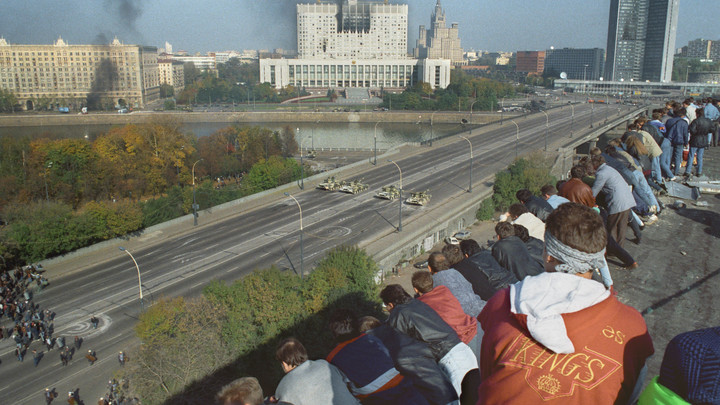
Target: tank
(388,193)
(329,184)
(354,187)
(418,198)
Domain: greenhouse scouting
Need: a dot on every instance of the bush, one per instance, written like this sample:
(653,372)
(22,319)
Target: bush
(486,210)
(532,173)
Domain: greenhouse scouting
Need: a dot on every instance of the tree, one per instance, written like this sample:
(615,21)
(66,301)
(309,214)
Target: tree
(7,101)
(267,174)
(191,73)
(166,90)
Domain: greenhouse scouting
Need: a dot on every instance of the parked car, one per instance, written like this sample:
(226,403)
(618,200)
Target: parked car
(451,240)
(421,265)
(462,235)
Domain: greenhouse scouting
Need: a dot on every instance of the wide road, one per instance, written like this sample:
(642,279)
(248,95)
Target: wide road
(182,265)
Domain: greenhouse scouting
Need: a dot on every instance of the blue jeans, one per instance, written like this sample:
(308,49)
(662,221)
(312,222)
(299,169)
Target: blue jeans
(456,363)
(643,190)
(656,174)
(700,152)
(677,154)
(665,158)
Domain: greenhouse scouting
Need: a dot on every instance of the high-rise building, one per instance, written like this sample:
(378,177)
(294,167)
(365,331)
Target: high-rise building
(530,62)
(353,43)
(63,74)
(641,39)
(701,49)
(578,64)
(439,42)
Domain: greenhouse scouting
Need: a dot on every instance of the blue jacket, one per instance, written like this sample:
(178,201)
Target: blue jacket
(711,112)
(677,131)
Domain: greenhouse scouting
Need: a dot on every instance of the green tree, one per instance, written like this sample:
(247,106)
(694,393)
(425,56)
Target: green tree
(267,174)
(166,90)
(7,101)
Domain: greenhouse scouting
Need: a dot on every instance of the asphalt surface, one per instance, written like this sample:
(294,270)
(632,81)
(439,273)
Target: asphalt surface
(180,262)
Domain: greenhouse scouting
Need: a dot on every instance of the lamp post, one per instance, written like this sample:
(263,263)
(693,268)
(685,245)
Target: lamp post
(142,306)
(302,166)
(399,197)
(302,270)
(517,137)
(471,106)
(572,120)
(502,110)
(592,114)
(48,167)
(584,78)
(375,143)
(432,134)
(547,127)
(471,162)
(194,205)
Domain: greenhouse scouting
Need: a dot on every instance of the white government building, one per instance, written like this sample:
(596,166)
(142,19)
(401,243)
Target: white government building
(353,44)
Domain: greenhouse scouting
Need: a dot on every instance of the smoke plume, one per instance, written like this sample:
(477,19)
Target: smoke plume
(105,75)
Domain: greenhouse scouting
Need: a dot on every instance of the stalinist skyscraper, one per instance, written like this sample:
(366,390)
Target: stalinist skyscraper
(439,42)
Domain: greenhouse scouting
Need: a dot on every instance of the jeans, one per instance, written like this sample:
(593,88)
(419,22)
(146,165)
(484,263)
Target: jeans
(643,189)
(665,158)
(656,174)
(700,152)
(456,363)
(677,155)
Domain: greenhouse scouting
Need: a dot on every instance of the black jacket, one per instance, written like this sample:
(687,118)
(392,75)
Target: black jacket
(417,320)
(538,207)
(485,274)
(414,360)
(512,254)
(699,130)
(536,247)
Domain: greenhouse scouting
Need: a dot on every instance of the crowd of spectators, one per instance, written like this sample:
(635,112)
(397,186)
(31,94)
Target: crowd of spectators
(534,316)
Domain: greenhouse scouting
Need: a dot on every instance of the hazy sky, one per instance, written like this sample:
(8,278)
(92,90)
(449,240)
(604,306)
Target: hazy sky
(218,25)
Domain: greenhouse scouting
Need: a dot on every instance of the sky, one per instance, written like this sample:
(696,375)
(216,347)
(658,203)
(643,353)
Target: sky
(220,25)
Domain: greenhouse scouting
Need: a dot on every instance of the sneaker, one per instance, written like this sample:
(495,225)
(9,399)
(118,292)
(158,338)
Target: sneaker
(635,265)
(673,178)
(653,209)
(651,219)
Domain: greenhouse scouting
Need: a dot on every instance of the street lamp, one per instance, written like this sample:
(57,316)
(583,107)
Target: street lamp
(592,114)
(302,270)
(375,144)
(471,162)
(572,122)
(142,307)
(194,204)
(517,137)
(547,127)
(399,228)
(302,166)
(471,106)
(502,110)
(584,78)
(432,134)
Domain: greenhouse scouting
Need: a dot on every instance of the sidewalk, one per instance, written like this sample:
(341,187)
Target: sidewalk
(676,286)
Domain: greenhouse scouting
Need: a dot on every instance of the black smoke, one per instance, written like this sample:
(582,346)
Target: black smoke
(100,39)
(105,75)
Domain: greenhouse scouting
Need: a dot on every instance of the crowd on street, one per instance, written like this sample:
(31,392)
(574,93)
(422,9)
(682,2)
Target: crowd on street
(533,316)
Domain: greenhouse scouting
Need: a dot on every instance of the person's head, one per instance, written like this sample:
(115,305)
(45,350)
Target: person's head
(548,191)
(640,121)
(616,142)
(700,112)
(523,195)
(243,391)
(469,247)
(687,102)
(577,172)
(575,240)
(367,323)
(452,254)
(681,112)
(597,161)
(516,210)
(504,230)
(656,115)
(343,324)
(635,144)
(394,295)
(291,353)
(437,262)
(632,126)
(521,232)
(422,282)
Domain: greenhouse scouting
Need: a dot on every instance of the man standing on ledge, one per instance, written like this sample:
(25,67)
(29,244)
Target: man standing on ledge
(560,337)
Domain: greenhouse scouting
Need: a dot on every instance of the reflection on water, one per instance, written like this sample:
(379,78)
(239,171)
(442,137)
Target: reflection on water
(312,135)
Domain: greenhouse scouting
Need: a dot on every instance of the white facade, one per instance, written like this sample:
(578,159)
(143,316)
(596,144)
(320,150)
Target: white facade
(350,73)
(206,62)
(352,29)
(172,73)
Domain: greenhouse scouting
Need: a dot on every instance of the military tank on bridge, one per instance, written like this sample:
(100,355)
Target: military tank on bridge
(353,187)
(329,184)
(418,198)
(388,193)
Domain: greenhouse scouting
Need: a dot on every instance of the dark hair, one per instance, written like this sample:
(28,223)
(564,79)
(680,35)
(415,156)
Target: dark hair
(438,262)
(343,324)
(597,161)
(452,254)
(504,229)
(516,210)
(577,172)
(700,112)
(523,195)
(577,226)
(291,352)
(656,115)
(548,189)
(368,322)
(394,294)
(423,281)
(469,247)
(521,232)
(680,111)
(242,391)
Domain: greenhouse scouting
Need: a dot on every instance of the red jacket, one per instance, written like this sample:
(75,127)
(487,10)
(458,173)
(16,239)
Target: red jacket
(442,301)
(611,345)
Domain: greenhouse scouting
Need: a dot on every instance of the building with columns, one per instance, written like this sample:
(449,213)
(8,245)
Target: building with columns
(353,43)
(439,42)
(62,75)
